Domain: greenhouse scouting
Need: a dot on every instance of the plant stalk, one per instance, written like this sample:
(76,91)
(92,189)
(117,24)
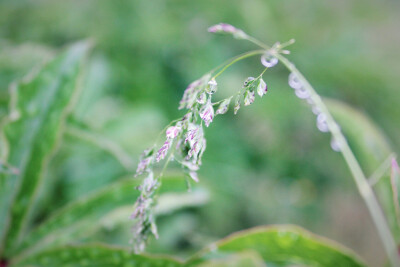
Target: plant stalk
(361,180)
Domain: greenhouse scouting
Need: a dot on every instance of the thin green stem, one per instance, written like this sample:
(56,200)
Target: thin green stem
(363,186)
(236,59)
(359,177)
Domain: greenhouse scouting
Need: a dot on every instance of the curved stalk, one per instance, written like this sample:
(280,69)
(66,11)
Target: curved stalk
(361,180)
(363,186)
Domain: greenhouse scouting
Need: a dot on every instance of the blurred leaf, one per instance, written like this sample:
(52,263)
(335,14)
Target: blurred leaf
(32,131)
(166,203)
(395,182)
(240,259)
(82,217)
(95,255)
(371,148)
(283,246)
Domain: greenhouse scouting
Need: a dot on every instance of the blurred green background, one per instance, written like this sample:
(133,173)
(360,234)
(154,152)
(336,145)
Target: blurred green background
(266,165)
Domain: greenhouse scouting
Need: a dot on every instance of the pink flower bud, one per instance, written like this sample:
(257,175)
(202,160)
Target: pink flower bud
(163,150)
(173,132)
(207,113)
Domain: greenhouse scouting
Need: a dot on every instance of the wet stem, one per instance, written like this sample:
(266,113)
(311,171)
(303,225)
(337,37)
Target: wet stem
(360,179)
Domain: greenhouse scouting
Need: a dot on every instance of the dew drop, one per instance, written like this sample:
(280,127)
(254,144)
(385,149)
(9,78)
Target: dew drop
(268,60)
(302,93)
(316,110)
(294,82)
(321,123)
(335,145)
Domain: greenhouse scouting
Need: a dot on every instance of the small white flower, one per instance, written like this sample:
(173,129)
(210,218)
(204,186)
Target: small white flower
(249,97)
(223,107)
(262,88)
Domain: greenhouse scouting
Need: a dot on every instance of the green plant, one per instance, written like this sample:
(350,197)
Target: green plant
(185,141)
(38,118)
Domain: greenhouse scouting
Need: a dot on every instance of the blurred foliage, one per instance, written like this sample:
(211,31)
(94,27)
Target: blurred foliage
(268,164)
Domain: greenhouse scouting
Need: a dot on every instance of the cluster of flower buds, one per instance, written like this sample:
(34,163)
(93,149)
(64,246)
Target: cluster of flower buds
(185,141)
(251,85)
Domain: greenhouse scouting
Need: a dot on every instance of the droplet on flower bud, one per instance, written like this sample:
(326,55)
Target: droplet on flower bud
(173,131)
(237,105)
(249,97)
(201,98)
(262,88)
(294,82)
(223,107)
(321,123)
(211,86)
(247,81)
(207,113)
(268,60)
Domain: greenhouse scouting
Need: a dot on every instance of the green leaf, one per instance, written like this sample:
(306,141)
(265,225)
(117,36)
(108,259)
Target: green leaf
(372,149)
(95,255)
(240,259)
(39,107)
(282,246)
(84,216)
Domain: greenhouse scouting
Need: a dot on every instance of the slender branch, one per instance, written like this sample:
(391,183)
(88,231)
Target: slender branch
(236,59)
(363,186)
(359,177)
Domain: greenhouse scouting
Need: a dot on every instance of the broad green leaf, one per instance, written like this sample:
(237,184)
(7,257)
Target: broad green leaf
(15,61)
(240,259)
(95,255)
(86,215)
(281,246)
(39,107)
(372,149)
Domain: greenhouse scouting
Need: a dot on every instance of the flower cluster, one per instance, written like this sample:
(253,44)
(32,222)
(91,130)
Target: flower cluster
(185,141)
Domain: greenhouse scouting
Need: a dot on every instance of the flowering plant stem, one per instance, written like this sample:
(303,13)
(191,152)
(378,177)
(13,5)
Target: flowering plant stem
(360,179)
